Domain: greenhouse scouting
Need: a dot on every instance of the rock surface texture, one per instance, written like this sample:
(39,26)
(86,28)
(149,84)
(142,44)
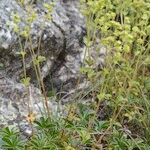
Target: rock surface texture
(59,40)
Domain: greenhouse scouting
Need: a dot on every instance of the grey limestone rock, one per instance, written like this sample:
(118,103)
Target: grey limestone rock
(60,37)
(61,41)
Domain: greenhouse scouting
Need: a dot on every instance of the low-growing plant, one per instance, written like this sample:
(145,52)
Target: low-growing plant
(122,85)
(123,28)
(10,139)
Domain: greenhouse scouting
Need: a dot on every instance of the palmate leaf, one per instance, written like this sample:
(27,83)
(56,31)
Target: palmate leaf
(10,139)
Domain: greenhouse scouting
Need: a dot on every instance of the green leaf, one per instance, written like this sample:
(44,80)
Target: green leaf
(26,81)
(147,84)
(85,136)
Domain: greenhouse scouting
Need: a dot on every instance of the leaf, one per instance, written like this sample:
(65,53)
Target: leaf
(1,65)
(39,59)
(87,42)
(49,7)
(147,84)
(68,147)
(147,61)
(16,18)
(135,29)
(101,96)
(85,135)
(126,48)
(22,53)
(26,81)
(145,17)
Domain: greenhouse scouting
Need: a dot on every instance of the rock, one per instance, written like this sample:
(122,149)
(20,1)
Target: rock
(16,100)
(61,39)
(61,43)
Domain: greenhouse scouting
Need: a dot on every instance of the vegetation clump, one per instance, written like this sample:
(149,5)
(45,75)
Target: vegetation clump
(122,85)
